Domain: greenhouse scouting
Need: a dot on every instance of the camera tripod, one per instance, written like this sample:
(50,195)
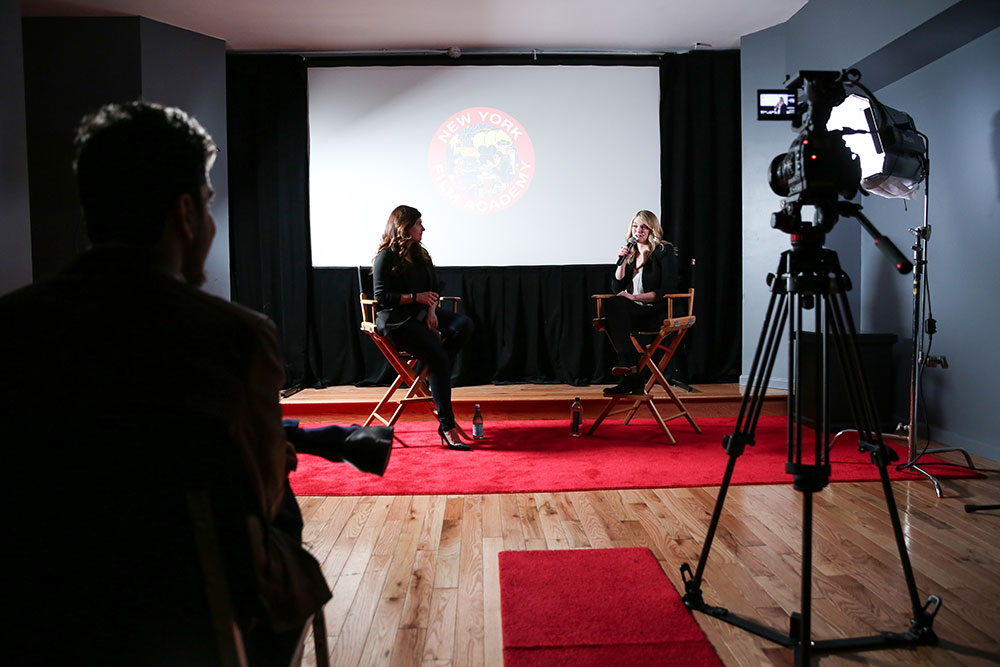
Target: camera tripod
(809,277)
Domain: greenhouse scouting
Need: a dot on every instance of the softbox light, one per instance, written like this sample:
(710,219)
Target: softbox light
(891,150)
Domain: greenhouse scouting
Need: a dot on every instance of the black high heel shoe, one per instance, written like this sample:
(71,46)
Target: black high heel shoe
(452,441)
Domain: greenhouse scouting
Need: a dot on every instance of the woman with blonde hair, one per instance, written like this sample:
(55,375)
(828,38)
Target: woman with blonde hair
(406,288)
(648,269)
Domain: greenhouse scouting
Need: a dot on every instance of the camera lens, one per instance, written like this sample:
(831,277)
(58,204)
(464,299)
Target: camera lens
(780,172)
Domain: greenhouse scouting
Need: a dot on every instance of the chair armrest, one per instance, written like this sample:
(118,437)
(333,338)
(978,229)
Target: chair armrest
(670,298)
(368,313)
(600,308)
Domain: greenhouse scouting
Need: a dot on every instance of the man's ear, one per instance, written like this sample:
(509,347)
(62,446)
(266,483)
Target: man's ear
(184,217)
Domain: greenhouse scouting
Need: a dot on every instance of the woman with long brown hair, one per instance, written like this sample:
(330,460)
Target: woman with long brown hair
(649,271)
(406,288)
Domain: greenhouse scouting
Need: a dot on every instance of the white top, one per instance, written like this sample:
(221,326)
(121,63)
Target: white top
(637,286)
(637,282)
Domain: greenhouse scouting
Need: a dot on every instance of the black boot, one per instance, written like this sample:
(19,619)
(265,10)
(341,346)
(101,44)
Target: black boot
(630,384)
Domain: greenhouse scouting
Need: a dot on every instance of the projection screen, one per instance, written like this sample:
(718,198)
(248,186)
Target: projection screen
(509,165)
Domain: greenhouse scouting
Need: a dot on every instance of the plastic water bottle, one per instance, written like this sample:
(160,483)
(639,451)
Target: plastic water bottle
(575,417)
(477,424)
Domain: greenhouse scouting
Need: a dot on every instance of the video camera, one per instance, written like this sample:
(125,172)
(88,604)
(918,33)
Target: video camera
(818,168)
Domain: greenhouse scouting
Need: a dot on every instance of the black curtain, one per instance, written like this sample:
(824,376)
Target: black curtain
(701,208)
(268,132)
(533,324)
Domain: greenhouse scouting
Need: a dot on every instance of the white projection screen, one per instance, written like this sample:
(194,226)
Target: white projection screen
(509,165)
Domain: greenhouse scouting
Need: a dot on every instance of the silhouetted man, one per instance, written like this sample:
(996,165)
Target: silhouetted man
(126,391)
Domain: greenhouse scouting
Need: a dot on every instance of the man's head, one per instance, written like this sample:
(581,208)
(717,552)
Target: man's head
(142,171)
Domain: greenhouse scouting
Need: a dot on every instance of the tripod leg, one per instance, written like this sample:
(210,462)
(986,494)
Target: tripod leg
(811,473)
(743,434)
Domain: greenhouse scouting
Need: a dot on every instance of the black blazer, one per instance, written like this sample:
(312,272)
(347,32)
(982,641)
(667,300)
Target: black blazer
(390,286)
(660,273)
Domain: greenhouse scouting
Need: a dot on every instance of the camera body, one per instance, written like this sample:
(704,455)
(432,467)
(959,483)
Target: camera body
(818,168)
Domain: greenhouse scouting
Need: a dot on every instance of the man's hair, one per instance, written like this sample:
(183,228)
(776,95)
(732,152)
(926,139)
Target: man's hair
(132,162)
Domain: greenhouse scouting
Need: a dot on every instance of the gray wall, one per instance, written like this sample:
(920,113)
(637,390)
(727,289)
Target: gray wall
(188,70)
(954,98)
(71,67)
(67,76)
(15,226)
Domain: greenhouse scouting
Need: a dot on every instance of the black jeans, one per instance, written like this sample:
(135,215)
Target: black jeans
(625,316)
(438,353)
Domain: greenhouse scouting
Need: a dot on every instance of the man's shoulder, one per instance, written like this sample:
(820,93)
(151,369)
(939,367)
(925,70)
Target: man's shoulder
(227,313)
(26,300)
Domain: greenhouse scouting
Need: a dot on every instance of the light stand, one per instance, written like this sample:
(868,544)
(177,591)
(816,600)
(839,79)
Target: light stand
(921,235)
(903,155)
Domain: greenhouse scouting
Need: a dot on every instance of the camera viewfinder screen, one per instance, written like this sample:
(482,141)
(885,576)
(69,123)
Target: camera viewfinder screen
(775,105)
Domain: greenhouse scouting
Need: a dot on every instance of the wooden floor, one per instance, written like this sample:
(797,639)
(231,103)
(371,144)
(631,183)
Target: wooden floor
(415,578)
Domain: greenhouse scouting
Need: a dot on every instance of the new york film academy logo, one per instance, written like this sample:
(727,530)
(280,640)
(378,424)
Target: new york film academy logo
(481,160)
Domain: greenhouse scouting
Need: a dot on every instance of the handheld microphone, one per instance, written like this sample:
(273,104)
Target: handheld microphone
(631,244)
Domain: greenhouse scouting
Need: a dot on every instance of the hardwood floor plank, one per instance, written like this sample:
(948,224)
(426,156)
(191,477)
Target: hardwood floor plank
(510,523)
(402,566)
(449,549)
(430,534)
(550,522)
(492,521)
(358,623)
(337,556)
(528,513)
(593,525)
(382,633)
(439,645)
(492,628)
(420,588)
(469,650)
(407,647)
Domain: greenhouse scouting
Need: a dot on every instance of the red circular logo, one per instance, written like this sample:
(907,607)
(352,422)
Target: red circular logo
(481,160)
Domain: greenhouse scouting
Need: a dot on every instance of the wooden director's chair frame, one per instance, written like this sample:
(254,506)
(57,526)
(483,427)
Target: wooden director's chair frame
(408,377)
(666,339)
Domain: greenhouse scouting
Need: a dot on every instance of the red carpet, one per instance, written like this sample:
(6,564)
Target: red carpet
(595,607)
(530,456)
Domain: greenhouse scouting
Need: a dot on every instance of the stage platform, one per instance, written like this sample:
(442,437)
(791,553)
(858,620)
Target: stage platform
(349,404)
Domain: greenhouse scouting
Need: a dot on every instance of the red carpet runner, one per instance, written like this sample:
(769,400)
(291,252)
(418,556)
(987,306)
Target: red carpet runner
(531,456)
(595,607)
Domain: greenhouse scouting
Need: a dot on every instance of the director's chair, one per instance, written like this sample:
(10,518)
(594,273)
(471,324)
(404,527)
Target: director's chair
(408,376)
(665,340)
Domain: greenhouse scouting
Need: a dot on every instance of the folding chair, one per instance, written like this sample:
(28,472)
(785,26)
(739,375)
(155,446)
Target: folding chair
(666,339)
(407,375)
